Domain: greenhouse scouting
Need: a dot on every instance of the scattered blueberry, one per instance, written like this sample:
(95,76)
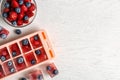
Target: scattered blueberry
(9,63)
(25,42)
(26,17)
(12,70)
(14,23)
(36,37)
(3,58)
(20,2)
(27,4)
(3,36)
(55,72)
(40,77)
(18,31)
(33,61)
(17,10)
(7,5)
(48,68)
(20,60)
(23,79)
(5,15)
(38,52)
(14,53)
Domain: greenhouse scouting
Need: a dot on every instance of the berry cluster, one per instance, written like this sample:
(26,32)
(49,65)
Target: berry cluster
(18,12)
(3,33)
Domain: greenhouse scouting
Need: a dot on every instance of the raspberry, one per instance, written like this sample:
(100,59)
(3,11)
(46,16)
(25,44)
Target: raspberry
(19,22)
(20,16)
(14,4)
(29,14)
(6,10)
(32,7)
(24,8)
(13,15)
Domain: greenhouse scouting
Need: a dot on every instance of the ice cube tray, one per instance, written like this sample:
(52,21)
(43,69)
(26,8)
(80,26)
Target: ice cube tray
(24,53)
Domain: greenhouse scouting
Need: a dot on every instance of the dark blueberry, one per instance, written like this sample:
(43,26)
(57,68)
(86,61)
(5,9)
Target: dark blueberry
(48,68)
(17,10)
(12,70)
(18,31)
(14,23)
(1,28)
(40,77)
(3,58)
(3,36)
(38,52)
(33,61)
(36,37)
(27,4)
(9,63)
(4,14)
(7,5)
(26,17)
(25,42)
(14,53)
(55,72)
(23,79)
(20,2)
(20,60)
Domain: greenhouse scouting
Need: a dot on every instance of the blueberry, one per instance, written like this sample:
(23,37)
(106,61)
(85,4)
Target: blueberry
(18,31)
(55,72)
(3,58)
(20,60)
(27,4)
(5,15)
(3,36)
(9,63)
(20,2)
(26,17)
(14,23)
(40,77)
(7,5)
(36,37)
(25,42)
(23,79)
(14,53)
(1,28)
(38,52)
(12,70)
(48,68)
(17,10)
(33,61)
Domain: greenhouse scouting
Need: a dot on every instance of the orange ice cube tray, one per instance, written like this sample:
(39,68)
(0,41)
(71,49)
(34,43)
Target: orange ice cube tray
(24,53)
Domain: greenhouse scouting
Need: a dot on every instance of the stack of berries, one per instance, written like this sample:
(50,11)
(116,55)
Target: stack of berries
(18,12)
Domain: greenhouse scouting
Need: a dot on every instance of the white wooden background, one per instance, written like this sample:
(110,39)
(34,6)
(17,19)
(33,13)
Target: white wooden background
(85,35)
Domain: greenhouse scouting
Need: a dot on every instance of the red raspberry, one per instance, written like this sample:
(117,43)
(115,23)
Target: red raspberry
(27,0)
(9,19)
(26,21)
(32,7)
(19,22)
(20,16)
(29,14)
(14,4)
(13,15)
(24,8)
(6,10)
